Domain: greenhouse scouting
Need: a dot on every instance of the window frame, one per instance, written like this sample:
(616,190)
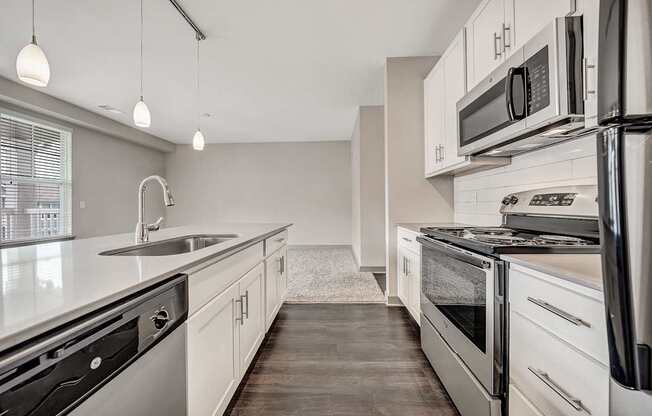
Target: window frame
(67,196)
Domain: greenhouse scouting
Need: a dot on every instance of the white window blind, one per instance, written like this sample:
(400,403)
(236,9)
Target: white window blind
(35,181)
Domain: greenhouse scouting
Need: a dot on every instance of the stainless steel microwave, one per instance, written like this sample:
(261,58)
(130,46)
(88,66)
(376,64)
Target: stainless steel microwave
(534,99)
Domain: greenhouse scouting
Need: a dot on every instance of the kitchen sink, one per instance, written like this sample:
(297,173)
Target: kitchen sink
(172,246)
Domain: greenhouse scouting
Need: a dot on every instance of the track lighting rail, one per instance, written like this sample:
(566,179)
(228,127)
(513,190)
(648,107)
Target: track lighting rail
(198,33)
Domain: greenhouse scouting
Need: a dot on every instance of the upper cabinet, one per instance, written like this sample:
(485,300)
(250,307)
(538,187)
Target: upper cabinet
(497,28)
(443,88)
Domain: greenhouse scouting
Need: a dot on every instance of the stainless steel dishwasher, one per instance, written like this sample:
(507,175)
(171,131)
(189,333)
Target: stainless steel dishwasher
(128,359)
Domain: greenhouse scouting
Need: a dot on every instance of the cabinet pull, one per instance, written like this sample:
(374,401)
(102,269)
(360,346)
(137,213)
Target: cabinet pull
(407,267)
(442,153)
(437,154)
(545,378)
(281,264)
(245,312)
(280,240)
(585,80)
(496,49)
(241,317)
(562,314)
(506,28)
(406,239)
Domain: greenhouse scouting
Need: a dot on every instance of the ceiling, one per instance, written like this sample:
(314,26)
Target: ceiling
(272,70)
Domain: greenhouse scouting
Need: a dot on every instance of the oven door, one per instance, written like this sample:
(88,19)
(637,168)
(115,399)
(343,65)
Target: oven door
(462,295)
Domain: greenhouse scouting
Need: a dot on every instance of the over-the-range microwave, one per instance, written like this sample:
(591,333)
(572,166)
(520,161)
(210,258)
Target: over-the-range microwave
(534,99)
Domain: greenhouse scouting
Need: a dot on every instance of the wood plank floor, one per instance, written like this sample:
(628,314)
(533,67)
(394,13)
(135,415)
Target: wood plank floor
(334,359)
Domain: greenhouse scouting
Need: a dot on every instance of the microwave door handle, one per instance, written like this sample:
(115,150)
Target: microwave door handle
(509,92)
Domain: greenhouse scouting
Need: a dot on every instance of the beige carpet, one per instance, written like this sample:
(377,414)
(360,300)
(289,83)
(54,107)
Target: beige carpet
(328,275)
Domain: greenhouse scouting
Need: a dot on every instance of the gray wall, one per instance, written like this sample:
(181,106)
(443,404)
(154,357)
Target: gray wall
(368,171)
(409,197)
(306,183)
(106,172)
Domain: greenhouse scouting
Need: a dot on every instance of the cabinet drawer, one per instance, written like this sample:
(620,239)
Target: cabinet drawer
(205,284)
(275,242)
(558,380)
(408,239)
(519,405)
(577,318)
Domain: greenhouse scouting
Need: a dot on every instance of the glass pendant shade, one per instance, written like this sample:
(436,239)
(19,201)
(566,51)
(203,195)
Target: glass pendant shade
(32,66)
(142,118)
(198,140)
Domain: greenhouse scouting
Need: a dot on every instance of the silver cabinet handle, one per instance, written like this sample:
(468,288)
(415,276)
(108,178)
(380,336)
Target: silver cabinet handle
(562,314)
(406,239)
(443,152)
(437,154)
(496,49)
(407,267)
(545,378)
(245,302)
(280,240)
(585,80)
(241,317)
(506,28)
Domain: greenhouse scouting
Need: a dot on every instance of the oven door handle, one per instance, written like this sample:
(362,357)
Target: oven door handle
(455,253)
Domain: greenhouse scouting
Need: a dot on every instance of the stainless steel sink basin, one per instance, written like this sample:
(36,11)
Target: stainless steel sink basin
(178,245)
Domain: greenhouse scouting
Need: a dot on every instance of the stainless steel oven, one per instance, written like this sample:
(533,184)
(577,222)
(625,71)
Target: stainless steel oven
(463,297)
(534,99)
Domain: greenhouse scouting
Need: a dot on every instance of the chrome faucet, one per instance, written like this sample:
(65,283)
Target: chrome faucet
(142,229)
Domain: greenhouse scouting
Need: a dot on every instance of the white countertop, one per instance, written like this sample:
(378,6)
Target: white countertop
(416,226)
(46,285)
(582,269)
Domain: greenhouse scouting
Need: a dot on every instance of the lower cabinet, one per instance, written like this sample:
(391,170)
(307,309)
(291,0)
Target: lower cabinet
(214,354)
(225,332)
(409,272)
(275,284)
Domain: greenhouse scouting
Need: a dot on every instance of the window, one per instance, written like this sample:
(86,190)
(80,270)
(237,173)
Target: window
(35,180)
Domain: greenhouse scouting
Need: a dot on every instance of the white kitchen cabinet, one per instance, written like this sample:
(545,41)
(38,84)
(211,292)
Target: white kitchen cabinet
(275,283)
(433,96)
(213,354)
(409,272)
(252,327)
(519,405)
(443,88)
(530,17)
(485,38)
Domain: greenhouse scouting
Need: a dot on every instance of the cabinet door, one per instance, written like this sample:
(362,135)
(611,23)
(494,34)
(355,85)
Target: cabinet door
(213,354)
(530,17)
(283,276)
(433,118)
(414,285)
(484,31)
(252,326)
(272,272)
(454,89)
(401,273)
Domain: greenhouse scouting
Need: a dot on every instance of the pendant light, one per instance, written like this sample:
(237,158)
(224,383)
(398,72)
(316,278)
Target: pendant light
(198,139)
(32,66)
(142,117)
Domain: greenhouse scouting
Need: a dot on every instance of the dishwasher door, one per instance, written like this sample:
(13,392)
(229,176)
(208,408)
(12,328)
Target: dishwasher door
(155,384)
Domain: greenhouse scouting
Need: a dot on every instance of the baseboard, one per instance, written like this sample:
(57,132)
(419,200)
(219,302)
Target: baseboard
(394,301)
(372,269)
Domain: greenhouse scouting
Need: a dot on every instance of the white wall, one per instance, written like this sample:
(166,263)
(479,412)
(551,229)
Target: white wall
(409,197)
(306,183)
(368,170)
(106,172)
(478,195)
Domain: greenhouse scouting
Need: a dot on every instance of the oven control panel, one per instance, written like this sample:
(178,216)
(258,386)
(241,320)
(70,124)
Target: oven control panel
(553,200)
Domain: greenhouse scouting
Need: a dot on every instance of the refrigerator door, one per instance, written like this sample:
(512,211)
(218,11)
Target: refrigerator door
(625,61)
(625,196)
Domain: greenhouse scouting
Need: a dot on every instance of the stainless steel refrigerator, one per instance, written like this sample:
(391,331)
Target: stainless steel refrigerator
(625,194)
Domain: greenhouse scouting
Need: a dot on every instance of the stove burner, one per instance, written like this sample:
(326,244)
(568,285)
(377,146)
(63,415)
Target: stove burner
(501,239)
(497,231)
(561,240)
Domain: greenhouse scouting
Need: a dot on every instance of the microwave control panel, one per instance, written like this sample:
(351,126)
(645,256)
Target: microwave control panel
(538,81)
(551,200)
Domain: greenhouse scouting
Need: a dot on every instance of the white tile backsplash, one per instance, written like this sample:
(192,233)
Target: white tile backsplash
(478,195)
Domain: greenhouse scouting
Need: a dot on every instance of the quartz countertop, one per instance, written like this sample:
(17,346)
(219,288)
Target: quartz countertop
(582,269)
(50,284)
